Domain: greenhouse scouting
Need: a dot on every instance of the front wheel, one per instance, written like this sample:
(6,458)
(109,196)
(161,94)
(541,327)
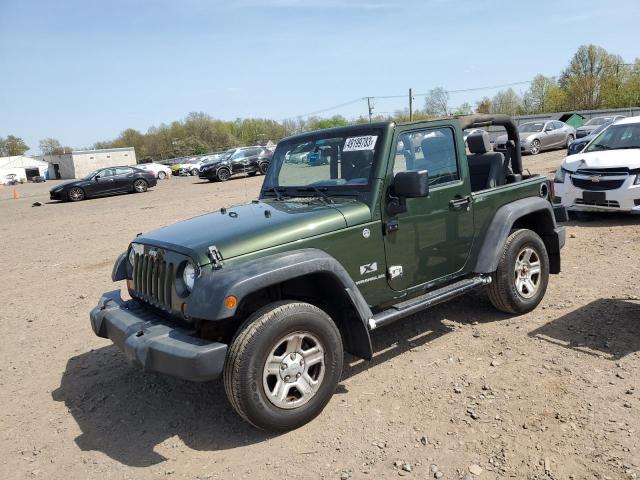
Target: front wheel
(570,139)
(162,175)
(264,166)
(194,172)
(76,194)
(535,147)
(140,186)
(283,365)
(223,174)
(520,281)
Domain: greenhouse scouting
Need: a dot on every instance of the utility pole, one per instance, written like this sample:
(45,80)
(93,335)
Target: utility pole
(370,107)
(410,104)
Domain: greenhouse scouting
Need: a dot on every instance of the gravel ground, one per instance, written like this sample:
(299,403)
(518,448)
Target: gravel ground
(459,391)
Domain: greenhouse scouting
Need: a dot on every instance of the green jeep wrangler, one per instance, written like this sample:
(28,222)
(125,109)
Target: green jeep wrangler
(369,224)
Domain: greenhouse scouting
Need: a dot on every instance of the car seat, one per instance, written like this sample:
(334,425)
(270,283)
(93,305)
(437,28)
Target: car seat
(486,168)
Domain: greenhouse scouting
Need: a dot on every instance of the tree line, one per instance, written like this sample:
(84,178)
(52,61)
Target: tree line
(593,79)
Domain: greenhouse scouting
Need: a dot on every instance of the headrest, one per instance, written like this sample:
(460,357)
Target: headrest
(478,142)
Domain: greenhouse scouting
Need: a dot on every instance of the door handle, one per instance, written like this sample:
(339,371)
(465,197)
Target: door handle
(458,203)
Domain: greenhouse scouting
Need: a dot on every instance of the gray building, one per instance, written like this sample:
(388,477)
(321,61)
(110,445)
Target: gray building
(79,163)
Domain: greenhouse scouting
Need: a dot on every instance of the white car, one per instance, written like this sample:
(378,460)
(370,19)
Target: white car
(605,176)
(161,171)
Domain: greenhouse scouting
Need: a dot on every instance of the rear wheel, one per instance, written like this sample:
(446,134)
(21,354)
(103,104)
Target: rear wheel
(223,174)
(194,172)
(264,166)
(140,186)
(520,281)
(535,147)
(76,194)
(283,365)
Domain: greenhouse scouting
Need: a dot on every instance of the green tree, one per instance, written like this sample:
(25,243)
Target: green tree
(590,73)
(544,95)
(464,109)
(507,102)
(12,145)
(484,105)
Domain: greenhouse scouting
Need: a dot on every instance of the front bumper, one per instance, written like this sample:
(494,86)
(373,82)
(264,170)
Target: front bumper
(626,198)
(57,195)
(154,344)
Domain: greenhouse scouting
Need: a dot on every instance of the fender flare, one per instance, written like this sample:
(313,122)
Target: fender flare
(502,224)
(207,298)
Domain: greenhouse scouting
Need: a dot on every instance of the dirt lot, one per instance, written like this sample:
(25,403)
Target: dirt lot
(552,394)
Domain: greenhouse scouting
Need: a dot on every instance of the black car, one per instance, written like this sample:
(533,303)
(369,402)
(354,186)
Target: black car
(250,160)
(578,145)
(105,181)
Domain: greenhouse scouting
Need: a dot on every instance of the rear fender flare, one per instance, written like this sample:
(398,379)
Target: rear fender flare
(510,215)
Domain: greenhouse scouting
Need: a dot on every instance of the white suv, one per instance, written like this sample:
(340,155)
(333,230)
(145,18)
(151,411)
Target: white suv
(605,176)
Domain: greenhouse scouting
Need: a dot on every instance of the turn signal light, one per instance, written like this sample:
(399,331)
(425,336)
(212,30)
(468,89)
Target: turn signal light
(230,302)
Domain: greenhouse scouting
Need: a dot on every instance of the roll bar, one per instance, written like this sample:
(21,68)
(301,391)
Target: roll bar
(513,145)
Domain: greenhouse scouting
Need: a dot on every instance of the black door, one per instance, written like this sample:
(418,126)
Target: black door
(123,179)
(102,183)
(237,162)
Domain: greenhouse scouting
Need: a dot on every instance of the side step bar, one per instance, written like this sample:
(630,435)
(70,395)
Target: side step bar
(427,300)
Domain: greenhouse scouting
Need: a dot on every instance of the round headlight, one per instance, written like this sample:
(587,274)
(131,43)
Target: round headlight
(132,256)
(189,275)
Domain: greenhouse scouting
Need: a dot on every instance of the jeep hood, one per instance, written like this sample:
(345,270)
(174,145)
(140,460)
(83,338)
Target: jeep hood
(604,159)
(243,229)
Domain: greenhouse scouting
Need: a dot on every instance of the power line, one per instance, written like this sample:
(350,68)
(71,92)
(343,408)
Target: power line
(335,107)
(381,97)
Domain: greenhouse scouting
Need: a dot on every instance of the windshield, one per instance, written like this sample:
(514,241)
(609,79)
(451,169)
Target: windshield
(91,175)
(598,121)
(531,127)
(600,128)
(342,162)
(226,155)
(616,137)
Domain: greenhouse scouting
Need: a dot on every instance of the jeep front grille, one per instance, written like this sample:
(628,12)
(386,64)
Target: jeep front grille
(153,280)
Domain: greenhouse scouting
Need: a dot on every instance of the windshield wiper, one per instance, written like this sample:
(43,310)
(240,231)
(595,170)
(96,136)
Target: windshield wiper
(277,191)
(320,193)
(601,147)
(628,147)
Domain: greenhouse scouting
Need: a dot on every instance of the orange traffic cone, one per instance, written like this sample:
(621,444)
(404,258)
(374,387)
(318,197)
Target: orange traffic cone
(15,194)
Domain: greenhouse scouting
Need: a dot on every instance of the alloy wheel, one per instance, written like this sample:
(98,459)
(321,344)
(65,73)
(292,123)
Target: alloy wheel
(140,186)
(535,147)
(294,370)
(527,272)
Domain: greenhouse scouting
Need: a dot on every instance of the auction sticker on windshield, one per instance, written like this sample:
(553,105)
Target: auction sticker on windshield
(354,144)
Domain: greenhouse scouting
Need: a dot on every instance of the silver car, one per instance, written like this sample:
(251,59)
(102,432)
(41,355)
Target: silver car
(543,135)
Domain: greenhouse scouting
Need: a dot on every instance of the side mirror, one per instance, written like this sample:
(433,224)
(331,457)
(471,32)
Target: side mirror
(411,184)
(96,178)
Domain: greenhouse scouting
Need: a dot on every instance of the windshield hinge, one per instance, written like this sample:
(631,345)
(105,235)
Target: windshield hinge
(216,257)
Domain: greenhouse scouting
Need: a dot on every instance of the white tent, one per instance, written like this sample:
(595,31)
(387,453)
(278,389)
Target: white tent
(24,167)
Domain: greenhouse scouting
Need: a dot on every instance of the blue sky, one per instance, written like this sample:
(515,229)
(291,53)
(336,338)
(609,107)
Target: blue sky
(82,71)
